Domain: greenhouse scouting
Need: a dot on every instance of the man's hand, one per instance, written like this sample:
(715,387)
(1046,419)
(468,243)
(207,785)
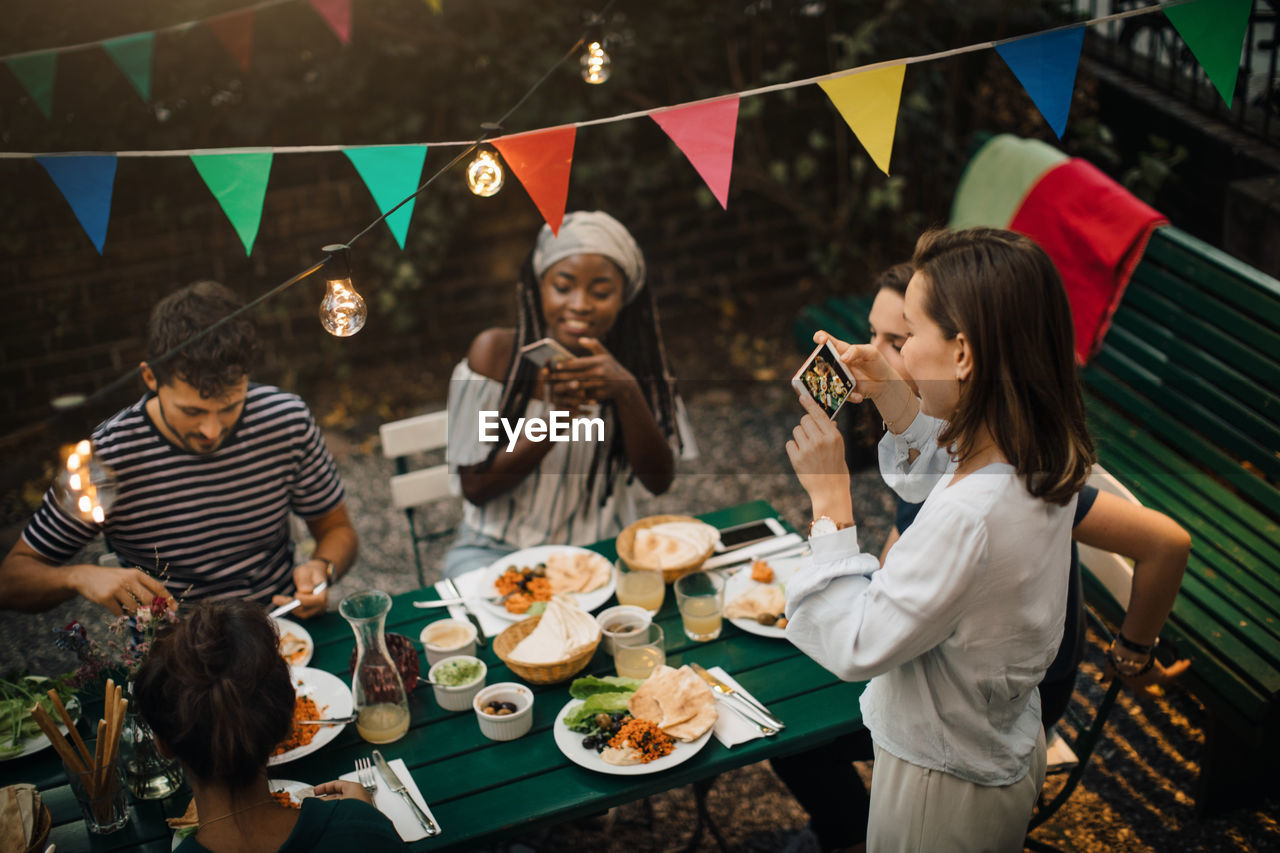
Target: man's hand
(816,450)
(1158,676)
(119,590)
(306,578)
(343,790)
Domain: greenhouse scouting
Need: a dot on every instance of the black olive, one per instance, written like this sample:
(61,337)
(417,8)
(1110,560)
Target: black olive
(603,720)
(589,742)
(509,707)
(601,745)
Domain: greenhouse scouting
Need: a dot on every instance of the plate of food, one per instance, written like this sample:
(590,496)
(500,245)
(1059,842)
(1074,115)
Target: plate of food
(19,734)
(755,597)
(629,727)
(319,695)
(296,645)
(286,792)
(534,575)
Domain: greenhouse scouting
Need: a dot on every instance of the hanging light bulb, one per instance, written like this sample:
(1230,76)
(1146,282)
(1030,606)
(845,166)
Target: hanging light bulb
(484,173)
(342,311)
(85,487)
(595,62)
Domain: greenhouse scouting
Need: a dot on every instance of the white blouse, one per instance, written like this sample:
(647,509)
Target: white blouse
(959,626)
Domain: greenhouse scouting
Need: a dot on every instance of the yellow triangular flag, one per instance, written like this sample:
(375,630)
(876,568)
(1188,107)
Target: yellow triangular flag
(868,100)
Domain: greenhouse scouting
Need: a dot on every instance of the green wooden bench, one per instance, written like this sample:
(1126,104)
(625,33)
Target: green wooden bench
(1184,405)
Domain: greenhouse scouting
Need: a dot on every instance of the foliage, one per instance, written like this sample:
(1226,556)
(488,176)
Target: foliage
(122,653)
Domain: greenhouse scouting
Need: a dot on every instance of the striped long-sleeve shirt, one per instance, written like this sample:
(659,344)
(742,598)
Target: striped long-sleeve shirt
(216,525)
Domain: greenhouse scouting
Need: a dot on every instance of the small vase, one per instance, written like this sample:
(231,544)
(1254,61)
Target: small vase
(382,707)
(148,774)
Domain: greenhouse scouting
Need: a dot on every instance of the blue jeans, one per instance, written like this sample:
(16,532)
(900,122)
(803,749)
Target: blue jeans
(473,550)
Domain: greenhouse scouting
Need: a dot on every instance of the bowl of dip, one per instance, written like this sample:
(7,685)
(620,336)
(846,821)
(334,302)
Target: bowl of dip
(445,638)
(456,681)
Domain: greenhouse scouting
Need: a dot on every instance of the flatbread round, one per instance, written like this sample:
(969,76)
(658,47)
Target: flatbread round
(757,599)
(677,700)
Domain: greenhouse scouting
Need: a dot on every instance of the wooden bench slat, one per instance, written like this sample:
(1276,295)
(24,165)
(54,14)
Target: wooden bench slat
(1248,288)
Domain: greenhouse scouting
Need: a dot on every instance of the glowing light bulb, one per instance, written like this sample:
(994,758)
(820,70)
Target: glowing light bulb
(342,311)
(595,63)
(73,462)
(84,448)
(74,482)
(98,514)
(85,505)
(85,488)
(484,173)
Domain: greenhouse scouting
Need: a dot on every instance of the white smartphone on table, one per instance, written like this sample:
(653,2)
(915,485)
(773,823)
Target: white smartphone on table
(741,535)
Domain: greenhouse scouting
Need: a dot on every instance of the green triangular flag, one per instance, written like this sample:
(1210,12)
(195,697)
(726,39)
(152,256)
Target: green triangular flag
(132,54)
(239,183)
(1214,30)
(35,72)
(391,173)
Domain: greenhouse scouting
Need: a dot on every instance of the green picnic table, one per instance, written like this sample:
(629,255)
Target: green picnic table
(484,791)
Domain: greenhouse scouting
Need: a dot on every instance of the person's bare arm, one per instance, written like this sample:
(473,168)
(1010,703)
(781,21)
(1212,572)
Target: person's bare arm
(888,543)
(30,583)
(1158,547)
(337,543)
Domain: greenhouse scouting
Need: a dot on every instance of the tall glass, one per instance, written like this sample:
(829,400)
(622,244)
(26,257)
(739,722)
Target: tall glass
(639,653)
(641,587)
(100,795)
(382,708)
(700,597)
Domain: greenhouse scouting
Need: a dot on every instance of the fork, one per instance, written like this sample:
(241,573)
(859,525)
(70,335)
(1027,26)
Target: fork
(364,772)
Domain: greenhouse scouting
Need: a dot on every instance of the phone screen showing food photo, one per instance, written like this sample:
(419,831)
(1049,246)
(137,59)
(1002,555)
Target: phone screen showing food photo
(545,352)
(825,378)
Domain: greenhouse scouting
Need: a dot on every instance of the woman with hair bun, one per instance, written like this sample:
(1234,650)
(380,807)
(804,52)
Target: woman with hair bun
(218,697)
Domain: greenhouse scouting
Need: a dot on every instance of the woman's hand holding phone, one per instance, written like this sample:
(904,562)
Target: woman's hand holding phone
(876,381)
(590,378)
(816,451)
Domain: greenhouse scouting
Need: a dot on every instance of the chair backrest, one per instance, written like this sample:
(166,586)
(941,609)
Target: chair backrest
(1113,571)
(416,435)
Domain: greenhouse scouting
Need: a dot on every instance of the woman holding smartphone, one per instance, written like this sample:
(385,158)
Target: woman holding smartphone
(961,623)
(585,290)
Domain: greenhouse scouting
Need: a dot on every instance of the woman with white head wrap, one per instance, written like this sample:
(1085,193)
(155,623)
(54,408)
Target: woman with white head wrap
(584,289)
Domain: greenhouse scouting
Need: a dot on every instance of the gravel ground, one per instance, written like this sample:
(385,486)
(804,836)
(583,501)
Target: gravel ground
(1138,794)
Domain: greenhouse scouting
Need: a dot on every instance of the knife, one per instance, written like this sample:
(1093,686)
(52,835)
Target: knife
(399,787)
(448,584)
(292,605)
(725,690)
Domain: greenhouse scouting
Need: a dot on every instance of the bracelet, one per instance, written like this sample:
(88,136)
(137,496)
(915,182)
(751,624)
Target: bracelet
(1129,668)
(1136,648)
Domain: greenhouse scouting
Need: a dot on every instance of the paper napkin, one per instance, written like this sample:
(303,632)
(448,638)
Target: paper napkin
(393,805)
(730,729)
(473,585)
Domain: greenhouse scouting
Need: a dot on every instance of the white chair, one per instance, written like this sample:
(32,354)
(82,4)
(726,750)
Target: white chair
(412,489)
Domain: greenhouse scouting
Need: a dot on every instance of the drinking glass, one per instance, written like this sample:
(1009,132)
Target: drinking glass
(642,588)
(100,795)
(638,654)
(382,708)
(700,597)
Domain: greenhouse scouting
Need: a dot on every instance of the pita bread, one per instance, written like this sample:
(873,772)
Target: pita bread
(674,542)
(563,629)
(677,700)
(575,571)
(759,598)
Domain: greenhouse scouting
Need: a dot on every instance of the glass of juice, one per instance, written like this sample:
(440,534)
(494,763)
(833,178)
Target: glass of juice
(642,588)
(639,653)
(700,597)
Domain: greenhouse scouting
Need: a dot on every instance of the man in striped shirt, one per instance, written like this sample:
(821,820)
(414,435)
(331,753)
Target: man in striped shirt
(208,468)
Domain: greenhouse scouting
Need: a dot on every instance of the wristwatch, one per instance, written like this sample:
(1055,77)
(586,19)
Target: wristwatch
(328,568)
(824,525)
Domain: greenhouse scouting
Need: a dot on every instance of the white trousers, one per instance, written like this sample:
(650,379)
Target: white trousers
(914,810)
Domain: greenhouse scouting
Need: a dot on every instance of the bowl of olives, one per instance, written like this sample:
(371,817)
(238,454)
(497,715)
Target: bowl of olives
(504,710)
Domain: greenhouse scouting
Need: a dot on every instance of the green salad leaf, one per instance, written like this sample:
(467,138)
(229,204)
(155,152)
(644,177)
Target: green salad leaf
(582,719)
(18,694)
(590,685)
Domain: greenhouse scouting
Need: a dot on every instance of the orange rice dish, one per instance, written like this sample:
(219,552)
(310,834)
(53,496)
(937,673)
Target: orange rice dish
(645,738)
(304,708)
(519,601)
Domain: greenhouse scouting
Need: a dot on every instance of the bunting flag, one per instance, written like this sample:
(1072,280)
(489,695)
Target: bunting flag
(35,72)
(705,134)
(541,160)
(337,14)
(391,173)
(1045,65)
(239,183)
(235,31)
(1215,33)
(132,55)
(86,183)
(437,6)
(868,101)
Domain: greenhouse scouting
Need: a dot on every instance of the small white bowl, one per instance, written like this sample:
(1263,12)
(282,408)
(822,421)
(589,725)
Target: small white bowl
(457,698)
(512,725)
(436,652)
(636,618)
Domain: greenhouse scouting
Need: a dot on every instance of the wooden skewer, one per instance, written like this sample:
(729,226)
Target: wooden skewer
(99,766)
(71,727)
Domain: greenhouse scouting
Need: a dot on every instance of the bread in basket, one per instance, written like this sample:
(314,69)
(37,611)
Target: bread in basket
(630,555)
(550,672)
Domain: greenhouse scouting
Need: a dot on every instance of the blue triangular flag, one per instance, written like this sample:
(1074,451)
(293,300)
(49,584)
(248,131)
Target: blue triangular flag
(86,183)
(132,55)
(391,173)
(1045,65)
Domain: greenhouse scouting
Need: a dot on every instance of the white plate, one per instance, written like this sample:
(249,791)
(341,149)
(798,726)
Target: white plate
(741,581)
(290,785)
(40,740)
(530,557)
(288,626)
(324,689)
(570,743)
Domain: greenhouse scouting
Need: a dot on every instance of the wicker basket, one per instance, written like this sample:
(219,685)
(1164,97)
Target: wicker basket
(627,540)
(540,673)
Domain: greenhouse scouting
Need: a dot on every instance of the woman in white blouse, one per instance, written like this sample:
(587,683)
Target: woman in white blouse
(584,288)
(960,624)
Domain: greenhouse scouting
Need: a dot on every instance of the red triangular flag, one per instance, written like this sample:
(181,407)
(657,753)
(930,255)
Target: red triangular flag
(337,13)
(235,31)
(705,132)
(541,160)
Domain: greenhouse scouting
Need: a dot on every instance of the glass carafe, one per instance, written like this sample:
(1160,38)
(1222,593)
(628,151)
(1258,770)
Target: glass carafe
(382,708)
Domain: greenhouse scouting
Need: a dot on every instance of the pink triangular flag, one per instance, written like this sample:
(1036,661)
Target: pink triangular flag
(541,160)
(235,31)
(337,13)
(705,133)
